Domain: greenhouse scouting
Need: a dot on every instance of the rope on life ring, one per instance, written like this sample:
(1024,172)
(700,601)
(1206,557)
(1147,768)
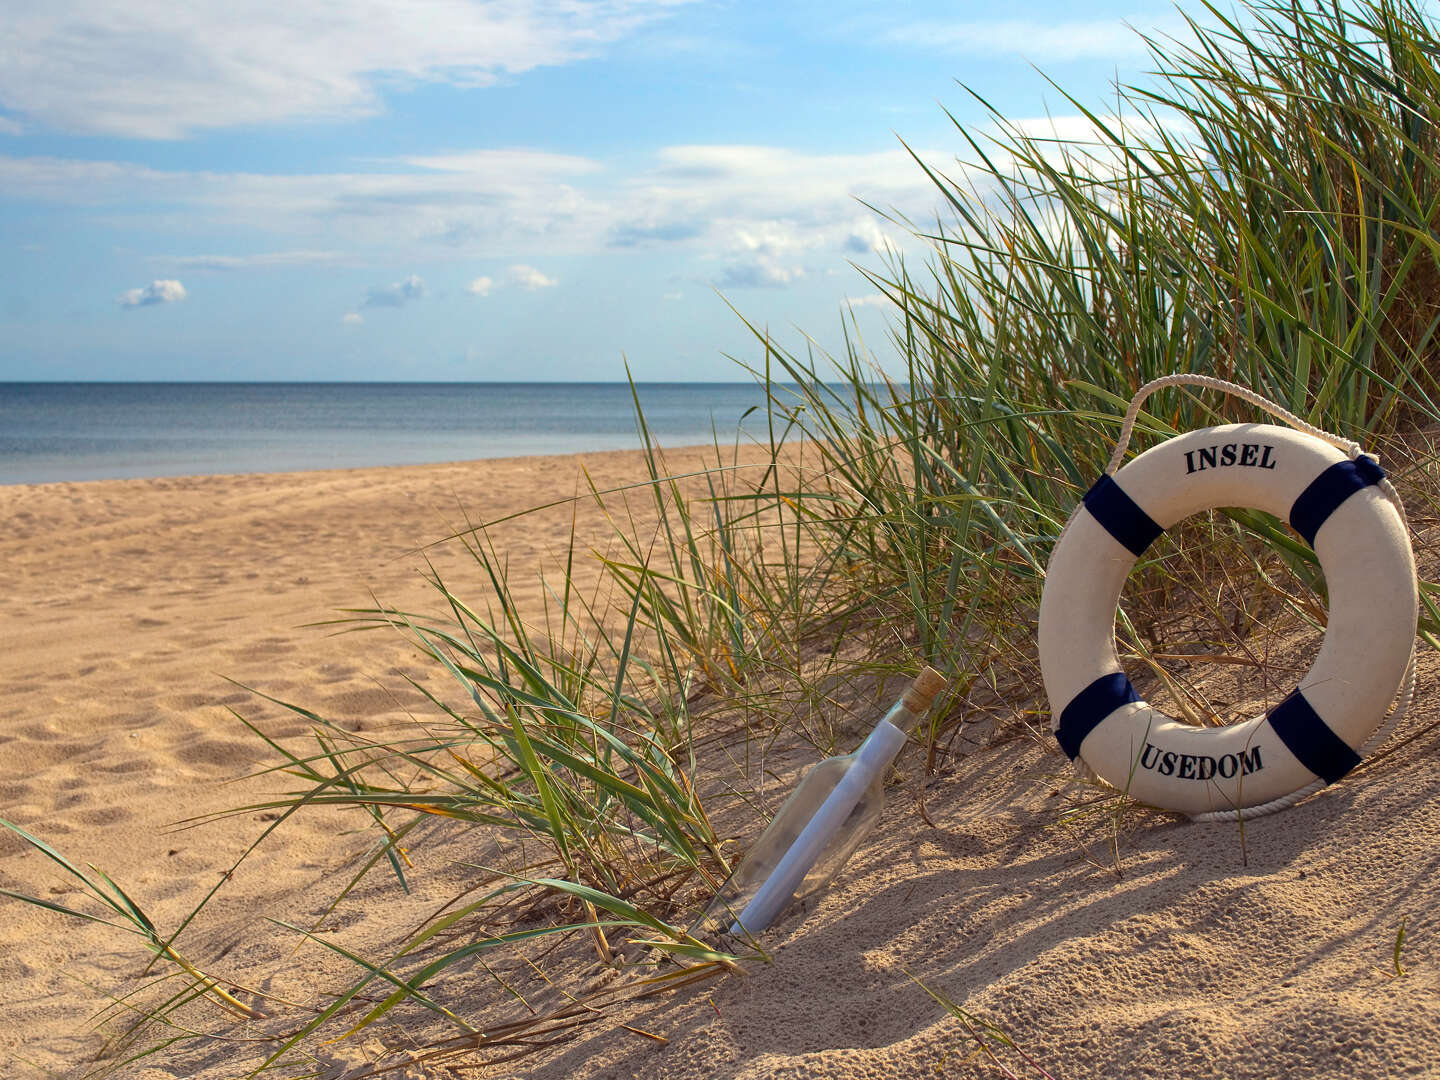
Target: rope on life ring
(1338,499)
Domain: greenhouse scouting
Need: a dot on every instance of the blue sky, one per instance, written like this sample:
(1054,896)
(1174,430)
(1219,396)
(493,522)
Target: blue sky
(458,189)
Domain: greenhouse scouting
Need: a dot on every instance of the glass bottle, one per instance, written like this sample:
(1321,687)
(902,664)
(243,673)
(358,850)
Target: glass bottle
(829,813)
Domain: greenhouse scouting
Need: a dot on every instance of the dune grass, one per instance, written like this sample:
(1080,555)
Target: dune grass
(1265,209)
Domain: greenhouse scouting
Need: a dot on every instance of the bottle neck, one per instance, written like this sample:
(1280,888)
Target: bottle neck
(880,747)
(901,717)
(891,731)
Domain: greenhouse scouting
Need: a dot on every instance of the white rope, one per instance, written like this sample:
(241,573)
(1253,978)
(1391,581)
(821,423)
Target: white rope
(1209,382)
(1352,450)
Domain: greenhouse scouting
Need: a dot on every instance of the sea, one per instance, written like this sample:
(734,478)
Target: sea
(53,431)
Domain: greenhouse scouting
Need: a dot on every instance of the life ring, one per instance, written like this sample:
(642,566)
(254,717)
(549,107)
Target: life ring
(1337,504)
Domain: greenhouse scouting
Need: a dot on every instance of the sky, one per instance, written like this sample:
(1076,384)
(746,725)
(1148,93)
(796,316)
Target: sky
(470,190)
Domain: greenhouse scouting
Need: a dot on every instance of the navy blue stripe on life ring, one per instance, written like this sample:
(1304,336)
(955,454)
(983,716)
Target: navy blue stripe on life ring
(1310,739)
(1121,515)
(1328,490)
(1089,707)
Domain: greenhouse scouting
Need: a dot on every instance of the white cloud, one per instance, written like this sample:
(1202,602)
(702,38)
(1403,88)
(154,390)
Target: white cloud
(498,163)
(66,180)
(1080,142)
(877,300)
(518,276)
(868,238)
(758,274)
(156,69)
(732,204)
(528,278)
(775,204)
(1072,39)
(770,238)
(747,175)
(352,318)
(494,205)
(9,126)
(246,262)
(1080,129)
(396,294)
(157,292)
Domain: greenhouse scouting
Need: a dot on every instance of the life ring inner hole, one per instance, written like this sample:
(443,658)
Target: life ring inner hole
(1222,624)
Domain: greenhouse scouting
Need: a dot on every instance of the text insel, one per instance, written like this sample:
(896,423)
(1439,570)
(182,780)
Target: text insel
(1200,766)
(1222,456)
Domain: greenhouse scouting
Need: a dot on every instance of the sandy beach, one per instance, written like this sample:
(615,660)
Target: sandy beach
(130,609)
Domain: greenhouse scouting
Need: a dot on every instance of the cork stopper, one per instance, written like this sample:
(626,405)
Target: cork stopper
(923,691)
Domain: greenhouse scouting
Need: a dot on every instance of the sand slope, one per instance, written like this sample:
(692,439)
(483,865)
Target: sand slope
(1207,953)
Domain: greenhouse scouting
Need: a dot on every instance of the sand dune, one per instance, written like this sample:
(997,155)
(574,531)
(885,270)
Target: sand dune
(1203,951)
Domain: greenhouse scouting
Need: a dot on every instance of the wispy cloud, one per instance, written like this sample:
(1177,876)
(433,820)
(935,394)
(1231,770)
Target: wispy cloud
(758,274)
(1082,142)
(396,294)
(352,318)
(649,233)
(248,262)
(1080,129)
(763,211)
(9,126)
(156,69)
(481,286)
(157,292)
(1062,40)
(766,208)
(514,162)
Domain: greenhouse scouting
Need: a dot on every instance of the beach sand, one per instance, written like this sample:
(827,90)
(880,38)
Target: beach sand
(130,609)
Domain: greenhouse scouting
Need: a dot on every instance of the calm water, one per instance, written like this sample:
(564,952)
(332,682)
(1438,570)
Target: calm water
(93,431)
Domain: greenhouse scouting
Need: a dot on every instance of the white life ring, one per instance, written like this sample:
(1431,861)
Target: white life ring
(1363,547)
